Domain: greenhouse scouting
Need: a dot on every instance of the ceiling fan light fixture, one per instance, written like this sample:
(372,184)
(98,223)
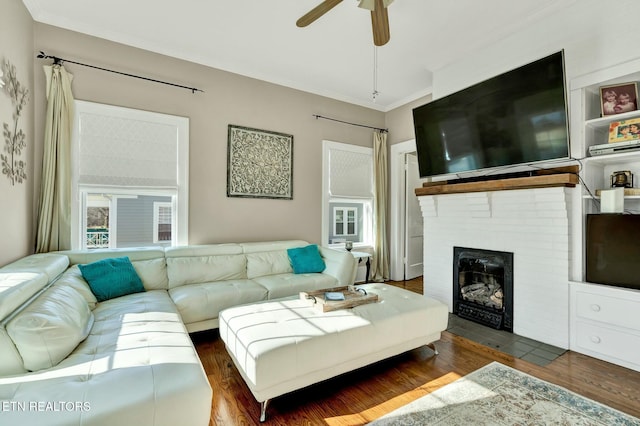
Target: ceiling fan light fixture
(371,4)
(367,4)
(379,17)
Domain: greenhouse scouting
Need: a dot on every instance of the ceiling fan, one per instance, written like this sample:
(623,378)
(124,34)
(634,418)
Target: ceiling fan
(379,17)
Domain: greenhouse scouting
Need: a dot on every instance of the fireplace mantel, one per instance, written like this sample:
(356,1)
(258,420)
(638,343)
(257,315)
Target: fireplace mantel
(543,178)
(564,179)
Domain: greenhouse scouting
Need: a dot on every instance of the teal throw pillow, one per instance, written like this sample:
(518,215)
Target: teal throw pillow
(305,260)
(110,278)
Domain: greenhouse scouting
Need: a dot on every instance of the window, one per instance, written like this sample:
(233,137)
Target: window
(345,221)
(126,218)
(97,221)
(347,194)
(162,222)
(129,178)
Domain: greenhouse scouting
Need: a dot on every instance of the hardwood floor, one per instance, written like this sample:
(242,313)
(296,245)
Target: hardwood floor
(363,395)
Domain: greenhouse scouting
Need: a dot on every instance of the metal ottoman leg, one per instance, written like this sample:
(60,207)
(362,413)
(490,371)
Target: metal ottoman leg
(433,348)
(263,410)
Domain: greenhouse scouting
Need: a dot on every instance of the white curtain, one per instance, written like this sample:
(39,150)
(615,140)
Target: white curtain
(54,215)
(380,265)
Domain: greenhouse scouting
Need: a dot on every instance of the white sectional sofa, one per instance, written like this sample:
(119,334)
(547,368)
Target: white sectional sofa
(67,359)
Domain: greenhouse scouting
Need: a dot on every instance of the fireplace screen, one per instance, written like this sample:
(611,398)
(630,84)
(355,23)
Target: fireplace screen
(483,286)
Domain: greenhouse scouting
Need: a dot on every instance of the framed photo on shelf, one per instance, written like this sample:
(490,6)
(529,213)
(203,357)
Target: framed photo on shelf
(618,98)
(624,130)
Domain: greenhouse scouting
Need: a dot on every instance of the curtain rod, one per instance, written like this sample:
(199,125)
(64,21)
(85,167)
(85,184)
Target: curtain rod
(59,61)
(351,124)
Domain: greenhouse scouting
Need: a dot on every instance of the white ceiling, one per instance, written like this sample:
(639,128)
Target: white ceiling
(332,57)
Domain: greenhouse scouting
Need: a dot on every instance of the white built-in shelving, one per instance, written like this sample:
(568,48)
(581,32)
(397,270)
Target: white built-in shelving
(604,320)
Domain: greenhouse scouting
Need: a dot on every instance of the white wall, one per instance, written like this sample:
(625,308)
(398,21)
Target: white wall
(594,34)
(227,99)
(16,201)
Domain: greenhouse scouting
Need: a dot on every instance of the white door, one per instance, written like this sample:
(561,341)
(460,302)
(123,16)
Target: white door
(414,228)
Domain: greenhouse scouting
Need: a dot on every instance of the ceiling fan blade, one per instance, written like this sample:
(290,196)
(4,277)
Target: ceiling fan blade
(317,12)
(380,24)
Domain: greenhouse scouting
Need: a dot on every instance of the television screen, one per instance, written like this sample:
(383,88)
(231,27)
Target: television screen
(613,251)
(516,118)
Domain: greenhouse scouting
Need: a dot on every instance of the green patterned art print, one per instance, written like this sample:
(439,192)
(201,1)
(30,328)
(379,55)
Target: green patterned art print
(259,163)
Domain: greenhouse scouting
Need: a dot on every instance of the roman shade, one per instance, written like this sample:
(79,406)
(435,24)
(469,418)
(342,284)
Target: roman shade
(126,151)
(351,173)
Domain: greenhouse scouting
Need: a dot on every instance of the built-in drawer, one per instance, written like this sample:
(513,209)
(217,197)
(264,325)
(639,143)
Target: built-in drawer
(607,341)
(607,309)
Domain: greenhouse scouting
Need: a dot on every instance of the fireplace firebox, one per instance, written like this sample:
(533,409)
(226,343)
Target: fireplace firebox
(483,287)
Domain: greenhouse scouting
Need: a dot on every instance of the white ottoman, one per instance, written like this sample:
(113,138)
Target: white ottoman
(283,345)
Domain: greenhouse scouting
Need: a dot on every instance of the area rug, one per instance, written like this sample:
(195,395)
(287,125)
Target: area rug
(499,395)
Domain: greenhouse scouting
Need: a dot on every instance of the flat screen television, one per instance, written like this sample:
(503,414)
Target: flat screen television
(516,118)
(613,249)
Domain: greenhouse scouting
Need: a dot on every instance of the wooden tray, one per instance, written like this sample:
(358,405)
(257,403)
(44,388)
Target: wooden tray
(352,297)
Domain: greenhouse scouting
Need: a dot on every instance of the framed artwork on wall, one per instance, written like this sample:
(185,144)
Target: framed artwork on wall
(259,163)
(618,98)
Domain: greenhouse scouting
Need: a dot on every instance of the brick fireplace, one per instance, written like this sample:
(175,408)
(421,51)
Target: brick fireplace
(533,224)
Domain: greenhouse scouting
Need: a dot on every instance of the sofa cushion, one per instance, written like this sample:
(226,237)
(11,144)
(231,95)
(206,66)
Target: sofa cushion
(262,246)
(10,360)
(17,287)
(125,319)
(73,278)
(201,302)
(268,263)
(284,285)
(152,273)
(203,250)
(203,269)
(134,254)
(50,264)
(306,259)
(111,278)
(50,328)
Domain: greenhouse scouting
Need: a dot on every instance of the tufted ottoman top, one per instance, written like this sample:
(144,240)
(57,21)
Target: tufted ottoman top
(282,345)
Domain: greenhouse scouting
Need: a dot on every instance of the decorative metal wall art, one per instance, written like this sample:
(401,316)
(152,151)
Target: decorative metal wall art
(259,163)
(14,138)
